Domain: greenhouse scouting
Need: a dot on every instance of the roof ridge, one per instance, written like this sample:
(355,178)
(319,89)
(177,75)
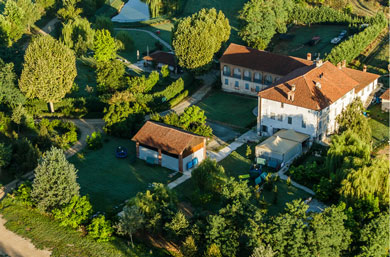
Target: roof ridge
(174,128)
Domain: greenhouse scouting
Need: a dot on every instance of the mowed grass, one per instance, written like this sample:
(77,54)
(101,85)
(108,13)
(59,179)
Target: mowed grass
(142,41)
(229,7)
(110,181)
(296,47)
(229,108)
(164,28)
(46,233)
(379,123)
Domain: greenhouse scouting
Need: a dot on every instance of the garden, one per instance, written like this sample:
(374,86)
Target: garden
(379,123)
(110,181)
(230,109)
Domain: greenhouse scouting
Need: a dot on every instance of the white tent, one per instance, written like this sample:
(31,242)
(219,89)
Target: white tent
(132,11)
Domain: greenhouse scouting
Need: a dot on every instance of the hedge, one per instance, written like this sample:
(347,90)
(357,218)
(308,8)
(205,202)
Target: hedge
(172,90)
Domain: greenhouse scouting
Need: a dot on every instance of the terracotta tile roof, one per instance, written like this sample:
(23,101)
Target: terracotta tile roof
(333,84)
(162,57)
(364,78)
(386,95)
(167,138)
(262,60)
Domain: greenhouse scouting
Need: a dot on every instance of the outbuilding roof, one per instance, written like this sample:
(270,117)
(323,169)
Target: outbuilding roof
(292,135)
(316,87)
(254,59)
(162,57)
(277,144)
(166,138)
(386,95)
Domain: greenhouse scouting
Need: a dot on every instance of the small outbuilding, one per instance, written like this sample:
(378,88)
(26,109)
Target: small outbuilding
(161,58)
(385,98)
(169,147)
(282,147)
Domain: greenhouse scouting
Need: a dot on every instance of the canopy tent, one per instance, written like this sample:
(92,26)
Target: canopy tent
(133,11)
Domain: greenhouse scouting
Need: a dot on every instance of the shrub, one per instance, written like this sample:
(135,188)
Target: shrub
(174,101)
(23,194)
(110,76)
(75,213)
(172,90)
(61,133)
(100,229)
(24,157)
(95,140)
(165,71)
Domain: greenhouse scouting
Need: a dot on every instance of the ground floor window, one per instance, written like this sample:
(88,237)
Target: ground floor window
(257,89)
(264,128)
(226,82)
(289,120)
(236,85)
(246,86)
(303,124)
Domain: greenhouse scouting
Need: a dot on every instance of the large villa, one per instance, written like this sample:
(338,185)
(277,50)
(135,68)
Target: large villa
(294,93)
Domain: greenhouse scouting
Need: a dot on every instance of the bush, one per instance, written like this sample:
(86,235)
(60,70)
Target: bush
(174,101)
(95,140)
(172,90)
(110,76)
(24,157)
(75,213)
(100,229)
(61,133)
(23,194)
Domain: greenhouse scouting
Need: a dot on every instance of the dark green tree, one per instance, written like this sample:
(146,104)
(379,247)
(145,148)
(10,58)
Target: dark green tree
(5,155)
(69,10)
(78,35)
(10,95)
(130,221)
(198,37)
(55,181)
(110,76)
(209,176)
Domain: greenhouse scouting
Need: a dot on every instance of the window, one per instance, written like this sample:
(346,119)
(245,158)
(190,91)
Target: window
(258,77)
(280,117)
(237,73)
(247,75)
(226,82)
(289,120)
(320,124)
(264,128)
(246,86)
(272,115)
(236,85)
(268,80)
(303,123)
(226,70)
(257,89)
(281,105)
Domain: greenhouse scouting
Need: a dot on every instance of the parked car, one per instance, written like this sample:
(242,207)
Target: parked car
(343,33)
(336,40)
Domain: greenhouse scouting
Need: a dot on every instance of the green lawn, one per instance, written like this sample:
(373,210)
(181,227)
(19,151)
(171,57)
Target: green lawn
(142,41)
(379,123)
(296,47)
(229,7)
(110,8)
(46,233)
(164,28)
(110,181)
(86,76)
(229,108)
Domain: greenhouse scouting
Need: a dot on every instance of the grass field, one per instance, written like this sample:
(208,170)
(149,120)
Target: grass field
(378,60)
(110,181)
(164,28)
(229,7)
(229,108)
(379,123)
(46,233)
(142,41)
(86,76)
(296,47)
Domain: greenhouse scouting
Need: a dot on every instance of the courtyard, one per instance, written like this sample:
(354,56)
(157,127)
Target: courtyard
(110,181)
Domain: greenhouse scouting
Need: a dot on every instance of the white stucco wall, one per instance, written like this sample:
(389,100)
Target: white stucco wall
(385,105)
(241,88)
(145,153)
(198,154)
(170,162)
(365,92)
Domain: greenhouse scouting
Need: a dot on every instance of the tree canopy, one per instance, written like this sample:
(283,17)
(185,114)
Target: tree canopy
(10,95)
(78,35)
(198,37)
(49,70)
(105,46)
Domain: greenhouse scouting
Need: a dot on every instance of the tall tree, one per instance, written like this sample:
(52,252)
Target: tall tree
(69,10)
(198,37)
(209,176)
(55,181)
(49,70)
(130,221)
(78,35)
(262,19)
(105,46)
(352,118)
(10,95)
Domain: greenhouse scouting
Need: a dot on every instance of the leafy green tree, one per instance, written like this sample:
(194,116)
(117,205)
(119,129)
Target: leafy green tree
(55,181)
(209,176)
(193,119)
(78,35)
(101,229)
(165,71)
(75,213)
(352,118)
(198,37)
(103,22)
(24,157)
(262,19)
(130,221)
(374,237)
(178,225)
(45,4)
(10,95)
(105,46)
(20,116)
(5,155)
(189,248)
(110,76)
(213,251)
(126,40)
(262,251)
(69,10)
(49,70)
(141,84)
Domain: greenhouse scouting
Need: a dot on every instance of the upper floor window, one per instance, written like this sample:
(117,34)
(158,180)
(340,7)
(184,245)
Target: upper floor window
(281,105)
(268,80)
(237,73)
(289,120)
(280,117)
(258,77)
(247,75)
(226,70)
(272,115)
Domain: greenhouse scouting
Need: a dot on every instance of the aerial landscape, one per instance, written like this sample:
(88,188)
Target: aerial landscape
(194,128)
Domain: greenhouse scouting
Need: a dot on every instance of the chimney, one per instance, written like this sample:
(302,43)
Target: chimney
(308,56)
(344,64)
(290,94)
(318,85)
(339,65)
(365,68)
(318,63)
